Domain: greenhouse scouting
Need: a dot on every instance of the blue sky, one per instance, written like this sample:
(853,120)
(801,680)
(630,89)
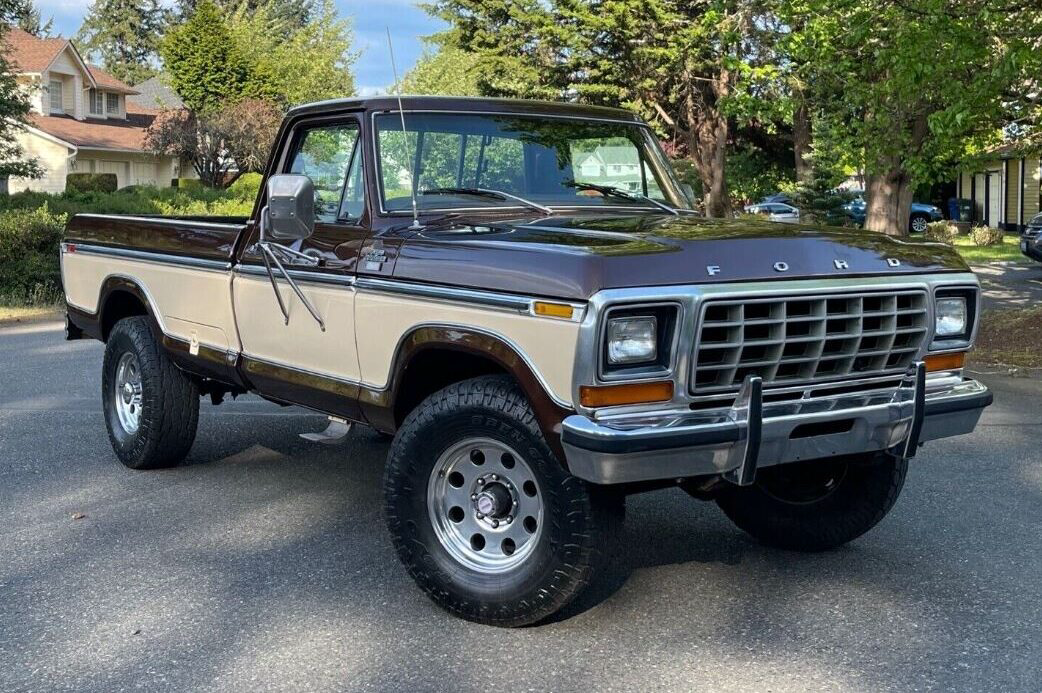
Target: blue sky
(408,24)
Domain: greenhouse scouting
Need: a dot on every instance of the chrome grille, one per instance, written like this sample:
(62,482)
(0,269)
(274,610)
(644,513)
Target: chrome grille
(807,339)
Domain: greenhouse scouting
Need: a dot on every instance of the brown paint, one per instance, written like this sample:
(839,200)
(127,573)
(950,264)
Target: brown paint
(310,390)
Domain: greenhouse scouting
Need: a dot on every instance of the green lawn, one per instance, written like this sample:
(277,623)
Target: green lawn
(1009,251)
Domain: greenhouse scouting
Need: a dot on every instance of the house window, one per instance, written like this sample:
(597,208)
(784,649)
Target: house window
(94,98)
(55,94)
(112,103)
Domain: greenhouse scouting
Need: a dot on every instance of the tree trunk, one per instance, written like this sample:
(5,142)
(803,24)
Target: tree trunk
(801,141)
(888,202)
(709,153)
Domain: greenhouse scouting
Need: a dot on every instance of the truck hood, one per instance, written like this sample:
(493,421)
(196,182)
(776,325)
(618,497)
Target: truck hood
(575,257)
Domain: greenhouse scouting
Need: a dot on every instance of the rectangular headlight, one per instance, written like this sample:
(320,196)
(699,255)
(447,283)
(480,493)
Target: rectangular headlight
(632,340)
(951,317)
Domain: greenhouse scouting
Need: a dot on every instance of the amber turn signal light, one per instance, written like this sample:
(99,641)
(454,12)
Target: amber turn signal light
(633,393)
(945,362)
(552,310)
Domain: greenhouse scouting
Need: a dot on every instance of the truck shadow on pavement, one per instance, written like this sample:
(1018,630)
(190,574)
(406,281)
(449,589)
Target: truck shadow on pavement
(266,558)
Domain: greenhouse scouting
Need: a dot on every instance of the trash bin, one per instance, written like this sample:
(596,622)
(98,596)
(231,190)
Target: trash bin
(963,209)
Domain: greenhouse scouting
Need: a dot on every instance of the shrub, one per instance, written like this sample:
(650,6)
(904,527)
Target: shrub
(91,182)
(246,186)
(941,232)
(189,184)
(29,254)
(986,236)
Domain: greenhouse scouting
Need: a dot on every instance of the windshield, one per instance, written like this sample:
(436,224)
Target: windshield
(452,157)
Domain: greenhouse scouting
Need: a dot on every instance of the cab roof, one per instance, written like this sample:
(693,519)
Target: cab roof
(465,104)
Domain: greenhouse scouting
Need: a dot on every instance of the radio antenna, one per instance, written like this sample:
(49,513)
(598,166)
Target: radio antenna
(405,136)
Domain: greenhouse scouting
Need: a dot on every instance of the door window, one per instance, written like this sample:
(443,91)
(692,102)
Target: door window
(324,154)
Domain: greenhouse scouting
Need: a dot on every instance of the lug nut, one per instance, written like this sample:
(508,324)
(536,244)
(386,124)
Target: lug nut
(495,523)
(481,482)
(481,516)
(474,497)
(495,478)
(510,518)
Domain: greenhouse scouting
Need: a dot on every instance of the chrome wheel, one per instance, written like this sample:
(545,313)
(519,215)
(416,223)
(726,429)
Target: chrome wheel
(128,393)
(485,505)
(919,224)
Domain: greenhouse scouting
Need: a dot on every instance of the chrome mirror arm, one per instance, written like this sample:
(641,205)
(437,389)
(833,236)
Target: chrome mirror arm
(270,257)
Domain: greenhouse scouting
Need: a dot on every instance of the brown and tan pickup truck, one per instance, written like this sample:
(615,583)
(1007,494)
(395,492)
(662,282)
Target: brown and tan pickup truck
(520,294)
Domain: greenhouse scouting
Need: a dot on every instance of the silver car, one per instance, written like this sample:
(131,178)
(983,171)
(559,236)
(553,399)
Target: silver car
(775,211)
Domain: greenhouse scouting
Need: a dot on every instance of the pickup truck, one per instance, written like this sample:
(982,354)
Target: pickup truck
(521,295)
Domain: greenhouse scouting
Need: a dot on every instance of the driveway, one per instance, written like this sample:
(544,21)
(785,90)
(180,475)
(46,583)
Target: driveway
(264,564)
(1010,285)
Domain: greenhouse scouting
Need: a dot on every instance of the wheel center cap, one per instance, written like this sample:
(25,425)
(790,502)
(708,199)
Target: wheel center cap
(493,501)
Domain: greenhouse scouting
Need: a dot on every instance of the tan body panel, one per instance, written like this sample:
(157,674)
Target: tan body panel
(301,344)
(546,344)
(196,305)
(188,302)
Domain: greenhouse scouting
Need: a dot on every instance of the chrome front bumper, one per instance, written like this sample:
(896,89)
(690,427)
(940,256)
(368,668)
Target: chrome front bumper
(755,433)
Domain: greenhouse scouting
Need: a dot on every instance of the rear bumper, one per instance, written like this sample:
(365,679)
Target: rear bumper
(753,434)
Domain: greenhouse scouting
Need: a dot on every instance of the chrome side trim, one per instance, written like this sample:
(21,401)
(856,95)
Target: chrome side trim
(299,275)
(166,221)
(520,304)
(489,299)
(145,256)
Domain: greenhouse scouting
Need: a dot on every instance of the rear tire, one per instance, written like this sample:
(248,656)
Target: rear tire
(483,515)
(918,223)
(151,407)
(816,505)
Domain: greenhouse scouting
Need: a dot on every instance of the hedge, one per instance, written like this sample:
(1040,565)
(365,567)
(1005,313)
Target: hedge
(29,270)
(91,182)
(32,223)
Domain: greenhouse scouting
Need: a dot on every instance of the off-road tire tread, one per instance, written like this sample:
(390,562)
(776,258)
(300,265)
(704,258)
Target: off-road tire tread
(594,516)
(170,402)
(838,519)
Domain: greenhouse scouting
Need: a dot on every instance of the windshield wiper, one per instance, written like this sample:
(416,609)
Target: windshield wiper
(487,192)
(610,191)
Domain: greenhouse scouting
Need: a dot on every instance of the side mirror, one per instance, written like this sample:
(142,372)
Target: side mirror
(291,207)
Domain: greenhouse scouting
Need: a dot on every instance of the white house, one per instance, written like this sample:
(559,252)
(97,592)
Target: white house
(81,120)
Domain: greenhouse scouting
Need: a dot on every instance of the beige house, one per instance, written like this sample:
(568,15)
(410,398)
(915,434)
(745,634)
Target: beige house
(81,120)
(1004,188)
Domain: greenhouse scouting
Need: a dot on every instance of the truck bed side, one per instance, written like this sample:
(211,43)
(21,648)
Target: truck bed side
(178,267)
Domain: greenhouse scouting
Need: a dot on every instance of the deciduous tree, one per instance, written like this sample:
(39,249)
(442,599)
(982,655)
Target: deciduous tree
(14,107)
(234,139)
(908,87)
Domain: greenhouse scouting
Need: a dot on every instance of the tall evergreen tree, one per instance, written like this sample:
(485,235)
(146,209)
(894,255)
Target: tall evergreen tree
(205,66)
(27,17)
(124,35)
(14,107)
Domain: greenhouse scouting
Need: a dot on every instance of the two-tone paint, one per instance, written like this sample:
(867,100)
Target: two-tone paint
(458,293)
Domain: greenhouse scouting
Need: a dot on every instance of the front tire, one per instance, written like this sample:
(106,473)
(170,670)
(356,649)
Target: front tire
(151,407)
(483,515)
(816,505)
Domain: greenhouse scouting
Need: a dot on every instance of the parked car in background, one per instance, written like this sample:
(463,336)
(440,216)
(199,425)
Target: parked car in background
(1031,239)
(775,211)
(920,216)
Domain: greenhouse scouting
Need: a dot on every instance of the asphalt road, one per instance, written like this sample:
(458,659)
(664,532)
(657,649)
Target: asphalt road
(264,565)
